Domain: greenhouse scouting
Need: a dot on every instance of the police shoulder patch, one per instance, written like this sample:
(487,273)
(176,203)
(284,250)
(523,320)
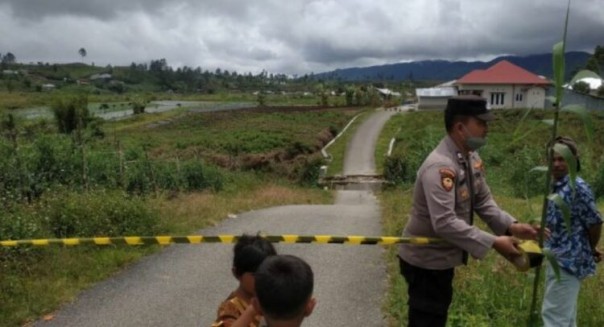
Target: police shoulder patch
(478,165)
(447,178)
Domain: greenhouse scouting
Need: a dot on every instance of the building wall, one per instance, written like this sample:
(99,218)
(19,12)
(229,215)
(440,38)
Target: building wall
(571,97)
(434,97)
(535,98)
(428,103)
(505,96)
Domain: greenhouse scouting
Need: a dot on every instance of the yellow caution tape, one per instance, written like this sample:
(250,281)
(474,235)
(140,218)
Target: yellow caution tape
(227,239)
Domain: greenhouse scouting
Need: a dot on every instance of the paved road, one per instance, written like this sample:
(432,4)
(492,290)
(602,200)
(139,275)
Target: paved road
(361,160)
(183,285)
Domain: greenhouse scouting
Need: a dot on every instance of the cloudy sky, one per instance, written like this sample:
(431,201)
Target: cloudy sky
(290,36)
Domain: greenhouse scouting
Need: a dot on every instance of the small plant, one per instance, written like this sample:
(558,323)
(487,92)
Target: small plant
(139,104)
(71,113)
(261,99)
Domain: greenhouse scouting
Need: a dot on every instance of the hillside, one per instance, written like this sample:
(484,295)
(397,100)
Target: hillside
(442,70)
(159,76)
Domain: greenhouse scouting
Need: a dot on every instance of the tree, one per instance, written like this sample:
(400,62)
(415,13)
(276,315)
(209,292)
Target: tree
(82,53)
(595,63)
(592,64)
(261,99)
(9,58)
(71,113)
(581,87)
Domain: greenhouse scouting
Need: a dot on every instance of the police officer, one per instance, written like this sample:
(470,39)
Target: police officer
(449,189)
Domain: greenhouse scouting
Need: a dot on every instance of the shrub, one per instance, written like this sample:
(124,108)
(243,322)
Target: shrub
(103,169)
(196,176)
(396,169)
(100,213)
(167,176)
(413,149)
(309,170)
(19,225)
(16,225)
(71,113)
(138,177)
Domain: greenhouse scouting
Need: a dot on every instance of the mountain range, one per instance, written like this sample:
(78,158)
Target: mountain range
(442,70)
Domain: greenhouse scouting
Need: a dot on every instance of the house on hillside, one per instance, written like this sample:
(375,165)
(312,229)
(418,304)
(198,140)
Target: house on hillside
(386,93)
(503,85)
(104,76)
(48,87)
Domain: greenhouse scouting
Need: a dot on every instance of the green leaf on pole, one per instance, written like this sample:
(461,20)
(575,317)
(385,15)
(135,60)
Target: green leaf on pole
(583,74)
(582,112)
(551,258)
(559,201)
(571,162)
(551,98)
(538,169)
(558,58)
(549,122)
(521,122)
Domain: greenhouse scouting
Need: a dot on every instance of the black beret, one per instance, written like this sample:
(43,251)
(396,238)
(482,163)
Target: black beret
(469,105)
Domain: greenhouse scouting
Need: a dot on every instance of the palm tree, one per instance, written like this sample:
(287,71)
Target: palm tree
(82,53)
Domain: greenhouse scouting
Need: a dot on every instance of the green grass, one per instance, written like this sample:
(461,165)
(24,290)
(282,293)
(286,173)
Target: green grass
(390,130)
(21,100)
(31,289)
(489,292)
(233,132)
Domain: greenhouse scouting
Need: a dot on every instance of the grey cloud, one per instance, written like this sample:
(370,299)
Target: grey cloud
(294,36)
(101,9)
(109,9)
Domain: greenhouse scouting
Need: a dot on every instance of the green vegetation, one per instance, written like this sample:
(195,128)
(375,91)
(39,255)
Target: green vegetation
(33,85)
(172,173)
(491,292)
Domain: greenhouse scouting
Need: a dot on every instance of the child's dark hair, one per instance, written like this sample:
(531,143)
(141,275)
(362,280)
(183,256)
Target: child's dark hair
(249,252)
(284,284)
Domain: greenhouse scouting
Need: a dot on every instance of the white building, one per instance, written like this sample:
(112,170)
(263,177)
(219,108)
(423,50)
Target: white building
(503,85)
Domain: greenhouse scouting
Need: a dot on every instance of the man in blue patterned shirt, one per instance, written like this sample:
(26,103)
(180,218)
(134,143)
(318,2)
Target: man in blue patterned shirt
(575,252)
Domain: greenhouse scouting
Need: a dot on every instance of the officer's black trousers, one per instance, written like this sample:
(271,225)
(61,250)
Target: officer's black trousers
(430,294)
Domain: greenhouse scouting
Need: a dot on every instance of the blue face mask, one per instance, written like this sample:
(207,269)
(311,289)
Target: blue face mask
(473,142)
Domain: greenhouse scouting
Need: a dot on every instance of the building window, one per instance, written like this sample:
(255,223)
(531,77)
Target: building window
(518,97)
(470,92)
(497,98)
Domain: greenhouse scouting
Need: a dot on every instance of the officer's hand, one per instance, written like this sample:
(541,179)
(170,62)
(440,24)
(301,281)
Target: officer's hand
(506,246)
(526,231)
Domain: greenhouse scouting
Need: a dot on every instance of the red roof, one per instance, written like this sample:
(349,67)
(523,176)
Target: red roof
(503,72)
